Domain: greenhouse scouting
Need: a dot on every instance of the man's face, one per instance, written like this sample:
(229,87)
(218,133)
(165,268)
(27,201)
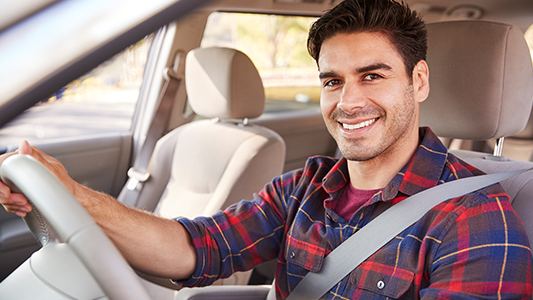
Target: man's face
(367,98)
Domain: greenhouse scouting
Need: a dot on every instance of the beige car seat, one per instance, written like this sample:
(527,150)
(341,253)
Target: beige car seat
(518,146)
(480,80)
(206,165)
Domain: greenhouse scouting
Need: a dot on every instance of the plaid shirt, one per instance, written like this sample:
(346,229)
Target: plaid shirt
(470,246)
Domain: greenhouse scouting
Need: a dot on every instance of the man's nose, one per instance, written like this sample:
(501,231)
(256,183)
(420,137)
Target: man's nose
(352,98)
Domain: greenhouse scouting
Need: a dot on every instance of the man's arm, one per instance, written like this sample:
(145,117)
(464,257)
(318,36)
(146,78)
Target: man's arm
(151,244)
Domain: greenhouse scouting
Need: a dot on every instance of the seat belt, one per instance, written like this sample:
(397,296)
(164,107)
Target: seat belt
(138,173)
(369,239)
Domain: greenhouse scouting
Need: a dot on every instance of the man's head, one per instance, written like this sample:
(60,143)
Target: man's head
(370,55)
(403,27)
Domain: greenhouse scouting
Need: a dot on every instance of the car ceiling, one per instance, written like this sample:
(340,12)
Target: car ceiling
(517,12)
(13,11)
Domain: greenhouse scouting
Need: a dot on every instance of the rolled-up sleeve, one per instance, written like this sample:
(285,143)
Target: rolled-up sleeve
(237,239)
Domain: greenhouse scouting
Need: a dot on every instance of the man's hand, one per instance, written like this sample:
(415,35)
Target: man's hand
(16,203)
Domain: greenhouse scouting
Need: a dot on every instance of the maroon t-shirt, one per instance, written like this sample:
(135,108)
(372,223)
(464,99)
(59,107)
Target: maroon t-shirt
(351,200)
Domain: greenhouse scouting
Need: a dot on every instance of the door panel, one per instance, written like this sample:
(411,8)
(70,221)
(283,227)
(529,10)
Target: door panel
(100,162)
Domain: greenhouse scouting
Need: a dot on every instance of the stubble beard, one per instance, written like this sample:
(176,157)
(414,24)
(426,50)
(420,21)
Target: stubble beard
(396,125)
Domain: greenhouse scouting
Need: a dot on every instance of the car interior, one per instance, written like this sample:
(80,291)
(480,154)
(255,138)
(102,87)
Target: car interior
(232,135)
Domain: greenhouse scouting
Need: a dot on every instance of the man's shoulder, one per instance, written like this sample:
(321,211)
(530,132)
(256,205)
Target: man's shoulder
(314,164)
(461,169)
(315,170)
(320,161)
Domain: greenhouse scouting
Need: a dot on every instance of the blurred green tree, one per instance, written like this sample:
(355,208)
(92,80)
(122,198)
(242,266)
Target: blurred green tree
(274,41)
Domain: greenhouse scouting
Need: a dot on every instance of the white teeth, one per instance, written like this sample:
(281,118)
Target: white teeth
(357,126)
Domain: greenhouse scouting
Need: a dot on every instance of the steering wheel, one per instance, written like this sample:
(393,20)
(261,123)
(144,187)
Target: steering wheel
(72,224)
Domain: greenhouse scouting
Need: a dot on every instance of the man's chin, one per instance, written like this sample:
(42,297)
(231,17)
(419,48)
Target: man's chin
(357,156)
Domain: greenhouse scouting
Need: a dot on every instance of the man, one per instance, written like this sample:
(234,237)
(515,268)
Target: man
(371,58)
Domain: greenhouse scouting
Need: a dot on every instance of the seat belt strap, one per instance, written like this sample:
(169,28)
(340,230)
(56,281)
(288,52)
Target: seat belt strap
(369,239)
(138,174)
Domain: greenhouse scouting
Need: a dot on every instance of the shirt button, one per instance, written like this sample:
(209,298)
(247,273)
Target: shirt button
(329,217)
(381,284)
(293,255)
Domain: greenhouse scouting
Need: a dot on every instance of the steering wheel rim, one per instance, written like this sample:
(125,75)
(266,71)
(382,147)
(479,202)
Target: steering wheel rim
(74,226)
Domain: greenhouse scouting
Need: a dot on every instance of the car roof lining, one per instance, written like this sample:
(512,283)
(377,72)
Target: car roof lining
(11,12)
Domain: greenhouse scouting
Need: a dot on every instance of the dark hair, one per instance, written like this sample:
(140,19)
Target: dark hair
(403,27)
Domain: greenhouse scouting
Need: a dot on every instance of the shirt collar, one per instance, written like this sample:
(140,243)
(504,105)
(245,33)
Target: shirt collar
(422,172)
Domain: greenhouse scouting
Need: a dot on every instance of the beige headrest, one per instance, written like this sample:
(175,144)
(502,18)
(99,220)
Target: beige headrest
(223,83)
(481,80)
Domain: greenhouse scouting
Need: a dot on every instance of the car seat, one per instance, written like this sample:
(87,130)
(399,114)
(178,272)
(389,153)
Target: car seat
(206,165)
(480,81)
(518,146)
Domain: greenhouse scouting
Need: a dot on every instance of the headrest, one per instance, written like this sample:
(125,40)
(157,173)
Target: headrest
(223,83)
(481,77)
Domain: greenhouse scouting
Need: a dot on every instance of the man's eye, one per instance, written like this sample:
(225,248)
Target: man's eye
(331,83)
(371,77)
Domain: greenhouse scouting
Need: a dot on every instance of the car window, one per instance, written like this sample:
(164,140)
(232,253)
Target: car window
(101,101)
(277,46)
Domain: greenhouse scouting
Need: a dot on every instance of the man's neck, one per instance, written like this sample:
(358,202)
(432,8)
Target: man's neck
(378,172)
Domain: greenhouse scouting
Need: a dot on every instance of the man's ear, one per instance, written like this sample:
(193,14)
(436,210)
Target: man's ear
(421,81)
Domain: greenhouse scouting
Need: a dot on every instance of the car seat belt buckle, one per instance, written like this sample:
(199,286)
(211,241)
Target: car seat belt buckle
(136,177)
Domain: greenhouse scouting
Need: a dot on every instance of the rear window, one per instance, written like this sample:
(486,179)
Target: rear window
(277,46)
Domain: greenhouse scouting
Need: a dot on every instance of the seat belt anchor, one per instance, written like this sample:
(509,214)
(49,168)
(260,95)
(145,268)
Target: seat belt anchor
(170,73)
(136,177)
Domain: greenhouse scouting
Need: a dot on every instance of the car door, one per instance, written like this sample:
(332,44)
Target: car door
(94,124)
(87,126)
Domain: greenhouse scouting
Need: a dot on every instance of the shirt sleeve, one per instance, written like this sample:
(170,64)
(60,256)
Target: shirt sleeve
(485,253)
(237,239)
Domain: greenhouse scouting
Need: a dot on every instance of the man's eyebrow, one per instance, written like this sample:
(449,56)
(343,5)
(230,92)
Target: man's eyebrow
(374,67)
(323,75)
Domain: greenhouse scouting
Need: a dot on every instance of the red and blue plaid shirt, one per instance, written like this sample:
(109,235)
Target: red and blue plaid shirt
(473,246)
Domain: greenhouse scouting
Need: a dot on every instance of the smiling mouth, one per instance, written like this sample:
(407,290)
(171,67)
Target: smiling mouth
(360,125)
